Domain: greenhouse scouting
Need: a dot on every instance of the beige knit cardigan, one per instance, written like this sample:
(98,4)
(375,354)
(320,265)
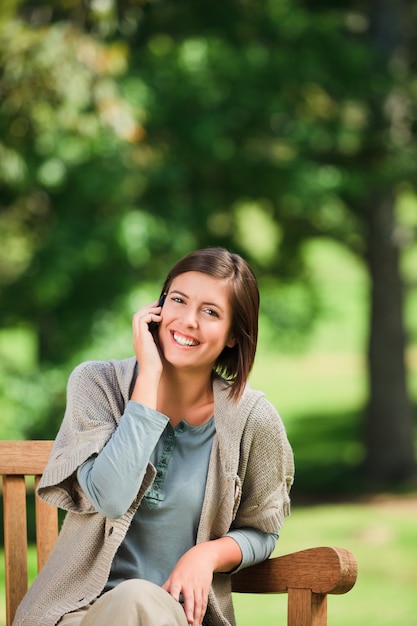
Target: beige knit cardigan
(250,473)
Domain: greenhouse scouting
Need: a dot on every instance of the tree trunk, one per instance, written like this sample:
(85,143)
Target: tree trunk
(389,419)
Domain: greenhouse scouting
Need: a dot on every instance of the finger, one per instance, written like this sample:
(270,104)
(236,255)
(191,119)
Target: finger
(175,591)
(143,314)
(189,607)
(200,606)
(155,307)
(145,318)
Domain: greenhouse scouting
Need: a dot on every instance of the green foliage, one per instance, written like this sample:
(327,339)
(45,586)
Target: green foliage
(60,150)
(127,144)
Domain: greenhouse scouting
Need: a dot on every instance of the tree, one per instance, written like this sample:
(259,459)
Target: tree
(324,146)
(64,130)
(246,119)
(389,420)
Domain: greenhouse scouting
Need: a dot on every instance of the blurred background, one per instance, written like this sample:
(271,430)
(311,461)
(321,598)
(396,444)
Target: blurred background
(134,131)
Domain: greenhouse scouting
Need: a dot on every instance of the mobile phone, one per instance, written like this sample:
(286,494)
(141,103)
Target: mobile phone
(154,325)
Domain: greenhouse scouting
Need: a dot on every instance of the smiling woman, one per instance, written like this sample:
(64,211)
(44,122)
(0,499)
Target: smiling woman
(136,431)
(234,364)
(196,326)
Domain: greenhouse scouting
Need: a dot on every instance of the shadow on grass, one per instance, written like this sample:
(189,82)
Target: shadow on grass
(329,460)
(328,453)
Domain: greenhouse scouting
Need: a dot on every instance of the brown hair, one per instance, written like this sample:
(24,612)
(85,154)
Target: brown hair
(235,363)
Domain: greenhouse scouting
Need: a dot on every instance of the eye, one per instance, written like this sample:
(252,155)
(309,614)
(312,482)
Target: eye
(211,312)
(177,299)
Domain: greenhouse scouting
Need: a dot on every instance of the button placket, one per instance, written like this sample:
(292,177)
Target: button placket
(156,492)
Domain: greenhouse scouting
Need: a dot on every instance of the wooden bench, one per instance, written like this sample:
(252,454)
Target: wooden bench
(306,576)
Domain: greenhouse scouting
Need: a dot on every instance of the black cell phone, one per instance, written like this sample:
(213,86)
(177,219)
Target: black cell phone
(154,325)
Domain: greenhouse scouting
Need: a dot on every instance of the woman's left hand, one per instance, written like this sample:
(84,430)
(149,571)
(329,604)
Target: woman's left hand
(192,577)
(193,574)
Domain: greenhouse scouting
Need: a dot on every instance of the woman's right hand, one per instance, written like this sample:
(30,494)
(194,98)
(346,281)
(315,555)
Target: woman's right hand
(147,354)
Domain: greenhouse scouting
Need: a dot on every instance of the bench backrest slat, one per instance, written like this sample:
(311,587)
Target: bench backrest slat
(18,460)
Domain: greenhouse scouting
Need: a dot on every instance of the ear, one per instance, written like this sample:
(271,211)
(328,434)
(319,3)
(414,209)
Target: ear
(231,342)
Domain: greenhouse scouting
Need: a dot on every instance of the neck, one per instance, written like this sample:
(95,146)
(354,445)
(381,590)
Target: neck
(185,395)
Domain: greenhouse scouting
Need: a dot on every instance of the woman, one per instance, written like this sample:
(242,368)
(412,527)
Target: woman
(173,472)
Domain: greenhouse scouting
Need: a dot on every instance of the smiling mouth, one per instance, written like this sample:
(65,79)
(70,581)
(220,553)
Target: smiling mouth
(184,341)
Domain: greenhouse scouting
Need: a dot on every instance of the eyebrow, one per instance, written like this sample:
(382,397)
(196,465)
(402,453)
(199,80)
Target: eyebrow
(181,293)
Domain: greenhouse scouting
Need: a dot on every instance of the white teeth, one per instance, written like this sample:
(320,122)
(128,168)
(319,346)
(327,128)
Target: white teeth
(183,341)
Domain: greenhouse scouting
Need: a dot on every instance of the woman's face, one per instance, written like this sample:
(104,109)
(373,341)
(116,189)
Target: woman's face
(196,321)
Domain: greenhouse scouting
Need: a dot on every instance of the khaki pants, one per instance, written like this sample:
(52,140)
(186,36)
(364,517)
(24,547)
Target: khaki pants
(132,603)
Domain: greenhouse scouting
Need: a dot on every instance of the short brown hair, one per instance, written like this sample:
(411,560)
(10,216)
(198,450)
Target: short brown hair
(235,363)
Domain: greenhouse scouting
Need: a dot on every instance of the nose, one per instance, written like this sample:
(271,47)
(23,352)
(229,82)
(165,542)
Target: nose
(190,318)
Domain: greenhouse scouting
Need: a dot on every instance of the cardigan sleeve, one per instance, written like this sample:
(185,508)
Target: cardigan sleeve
(95,404)
(266,470)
